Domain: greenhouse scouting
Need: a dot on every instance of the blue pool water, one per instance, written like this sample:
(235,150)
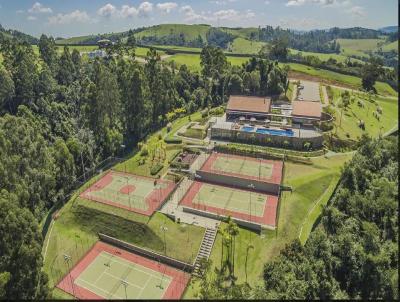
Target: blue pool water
(288,132)
(247,129)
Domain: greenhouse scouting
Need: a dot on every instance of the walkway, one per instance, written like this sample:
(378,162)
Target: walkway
(205,249)
(172,209)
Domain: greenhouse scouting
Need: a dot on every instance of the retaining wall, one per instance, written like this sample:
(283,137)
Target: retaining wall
(147,253)
(240,183)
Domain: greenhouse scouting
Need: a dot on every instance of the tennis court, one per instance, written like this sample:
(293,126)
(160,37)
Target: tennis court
(222,200)
(244,167)
(108,272)
(136,193)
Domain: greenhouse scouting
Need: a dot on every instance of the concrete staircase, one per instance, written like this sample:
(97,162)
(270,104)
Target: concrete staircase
(205,249)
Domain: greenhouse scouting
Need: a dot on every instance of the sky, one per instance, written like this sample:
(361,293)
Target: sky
(68,18)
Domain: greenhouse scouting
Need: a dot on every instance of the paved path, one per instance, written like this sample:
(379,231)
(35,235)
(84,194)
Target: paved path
(175,211)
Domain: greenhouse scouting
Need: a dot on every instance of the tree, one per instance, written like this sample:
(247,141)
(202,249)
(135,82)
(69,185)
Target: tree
(235,85)
(21,275)
(7,89)
(66,72)
(370,73)
(48,52)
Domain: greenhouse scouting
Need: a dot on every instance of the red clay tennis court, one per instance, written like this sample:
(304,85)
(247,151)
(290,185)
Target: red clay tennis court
(250,206)
(108,272)
(244,167)
(143,195)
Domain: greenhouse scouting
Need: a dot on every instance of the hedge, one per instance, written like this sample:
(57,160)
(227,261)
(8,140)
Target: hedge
(173,140)
(156,168)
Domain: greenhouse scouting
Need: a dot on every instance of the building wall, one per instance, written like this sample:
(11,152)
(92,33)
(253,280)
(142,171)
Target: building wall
(265,139)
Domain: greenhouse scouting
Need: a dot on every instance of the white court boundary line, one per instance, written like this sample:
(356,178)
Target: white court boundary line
(151,276)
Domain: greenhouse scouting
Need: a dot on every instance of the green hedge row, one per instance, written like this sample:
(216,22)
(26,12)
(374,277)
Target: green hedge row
(173,140)
(156,168)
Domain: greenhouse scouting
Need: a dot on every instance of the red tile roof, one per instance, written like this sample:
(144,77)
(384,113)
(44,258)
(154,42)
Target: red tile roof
(307,109)
(249,103)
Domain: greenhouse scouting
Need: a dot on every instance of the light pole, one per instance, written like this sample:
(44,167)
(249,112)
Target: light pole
(251,187)
(164,229)
(123,153)
(67,259)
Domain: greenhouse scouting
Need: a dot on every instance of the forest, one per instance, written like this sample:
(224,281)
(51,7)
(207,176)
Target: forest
(61,114)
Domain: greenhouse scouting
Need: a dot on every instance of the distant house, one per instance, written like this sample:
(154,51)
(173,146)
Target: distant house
(98,53)
(104,43)
(306,112)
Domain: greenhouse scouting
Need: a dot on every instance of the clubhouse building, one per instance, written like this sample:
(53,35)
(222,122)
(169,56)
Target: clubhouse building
(259,120)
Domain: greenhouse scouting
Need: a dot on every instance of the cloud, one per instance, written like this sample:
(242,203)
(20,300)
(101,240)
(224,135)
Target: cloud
(300,23)
(226,15)
(266,2)
(319,2)
(20,11)
(73,17)
(358,11)
(222,2)
(145,8)
(107,10)
(38,8)
(167,7)
(295,2)
(128,11)
(31,18)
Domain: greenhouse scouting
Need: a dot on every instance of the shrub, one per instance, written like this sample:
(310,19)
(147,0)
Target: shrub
(156,168)
(169,127)
(217,111)
(195,133)
(307,146)
(144,151)
(173,140)
(204,113)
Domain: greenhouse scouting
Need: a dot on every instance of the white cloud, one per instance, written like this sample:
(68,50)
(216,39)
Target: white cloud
(20,11)
(300,23)
(107,10)
(145,8)
(226,15)
(75,16)
(295,2)
(167,7)
(358,11)
(31,18)
(222,2)
(38,8)
(128,11)
(267,2)
(320,2)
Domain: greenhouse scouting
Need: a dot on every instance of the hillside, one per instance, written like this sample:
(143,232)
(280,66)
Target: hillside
(12,33)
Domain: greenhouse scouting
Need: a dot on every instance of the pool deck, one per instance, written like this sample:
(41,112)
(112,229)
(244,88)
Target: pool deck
(297,132)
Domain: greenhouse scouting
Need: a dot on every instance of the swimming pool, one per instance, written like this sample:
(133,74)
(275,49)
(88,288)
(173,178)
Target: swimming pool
(288,132)
(247,129)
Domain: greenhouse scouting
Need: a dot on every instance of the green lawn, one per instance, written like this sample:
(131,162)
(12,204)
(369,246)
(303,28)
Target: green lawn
(310,184)
(191,32)
(391,46)
(338,78)
(325,56)
(245,46)
(358,47)
(354,113)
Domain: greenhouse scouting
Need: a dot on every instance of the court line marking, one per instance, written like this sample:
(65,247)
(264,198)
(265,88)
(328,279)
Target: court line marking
(240,210)
(145,285)
(100,289)
(133,265)
(120,280)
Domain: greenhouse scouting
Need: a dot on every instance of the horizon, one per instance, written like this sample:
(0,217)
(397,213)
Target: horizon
(81,18)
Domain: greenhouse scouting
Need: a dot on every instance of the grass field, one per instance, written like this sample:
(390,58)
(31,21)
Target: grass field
(337,78)
(325,56)
(245,46)
(391,46)
(358,47)
(191,32)
(311,184)
(348,127)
